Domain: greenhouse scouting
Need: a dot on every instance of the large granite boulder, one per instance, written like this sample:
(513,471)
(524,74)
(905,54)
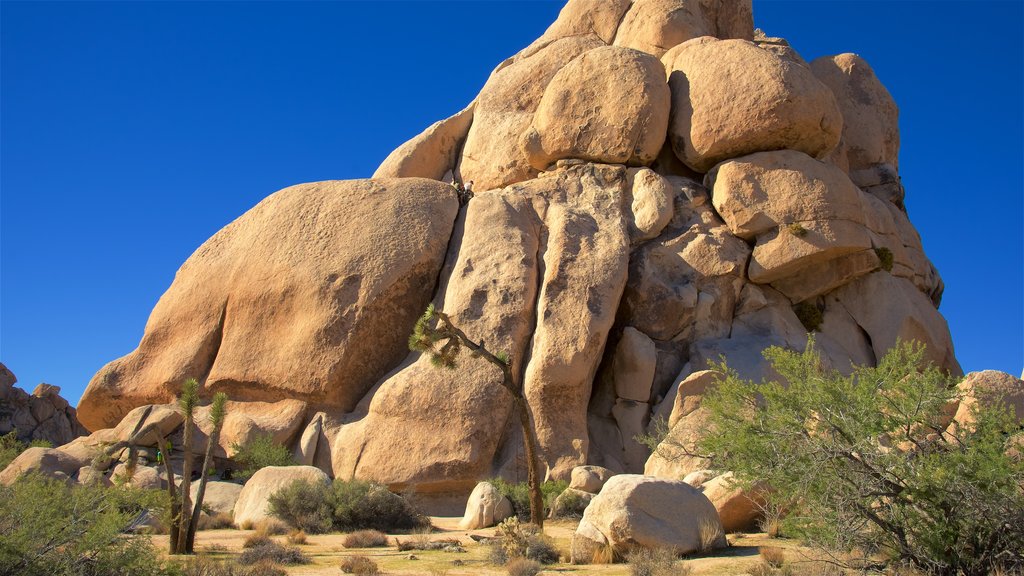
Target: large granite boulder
(251,505)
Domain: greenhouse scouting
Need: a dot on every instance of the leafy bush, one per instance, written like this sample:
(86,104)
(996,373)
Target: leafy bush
(11,447)
(884,258)
(658,562)
(347,505)
(304,505)
(519,494)
(365,539)
(260,452)
(514,539)
(272,552)
(360,505)
(523,567)
(568,504)
(360,565)
(809,315)
(865,461)
(48,528)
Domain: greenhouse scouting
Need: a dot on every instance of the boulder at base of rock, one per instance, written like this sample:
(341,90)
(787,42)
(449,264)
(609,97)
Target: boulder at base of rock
(731,98)
(251,506)
(220,497)
(738,509)
(609,105)
(635,511)
(589,478)
(486,507)
(48,462)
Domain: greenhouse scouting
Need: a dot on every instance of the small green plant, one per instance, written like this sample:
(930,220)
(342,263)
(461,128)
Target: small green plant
(360,505)
(260,452)
(884,258)
(809,314)
(519,494)
(359,565)
(796,230)
(657,562)
(11,447)
(365,539)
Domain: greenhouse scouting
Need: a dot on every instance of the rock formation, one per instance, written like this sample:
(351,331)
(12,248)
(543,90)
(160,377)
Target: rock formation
(656,186)
(41,415)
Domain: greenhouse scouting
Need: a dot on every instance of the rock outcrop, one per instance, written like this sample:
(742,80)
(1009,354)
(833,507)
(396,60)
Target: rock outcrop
(251,504)
(485,507)
(41,415)
(655,188)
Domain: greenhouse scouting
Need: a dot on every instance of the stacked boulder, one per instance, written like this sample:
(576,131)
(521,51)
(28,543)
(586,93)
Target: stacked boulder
(656,186)
(585,483)
(41,415)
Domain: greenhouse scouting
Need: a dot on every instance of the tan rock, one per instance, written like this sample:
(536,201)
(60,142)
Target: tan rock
(691,390)
(251,506)
(698,478)
(817,279)
(675,457)
(731,98)
(220,497)
(244,421)
(655,26)
(305,451)
(871,131)
(589,478)
(48,462)
(652,206)
(580,17)
(297,297)
(633,365)
(738,509)
(631,418)
(778,46)
(7,378)
(486,507)
(643,512)
(608,105)
(492,156)
(142,424)
(143,477)
(432,153)
(890,309)
(88,476)
(985,390)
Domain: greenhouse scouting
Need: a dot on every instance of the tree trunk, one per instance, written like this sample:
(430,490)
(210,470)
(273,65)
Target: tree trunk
(186,483)
(532,474)
(197,510)
(175,509)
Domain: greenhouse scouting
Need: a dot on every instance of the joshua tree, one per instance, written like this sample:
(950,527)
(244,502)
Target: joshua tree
(435,334)
(217,412)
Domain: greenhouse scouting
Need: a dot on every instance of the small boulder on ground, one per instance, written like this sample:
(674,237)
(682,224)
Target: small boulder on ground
(738,509)
(485,507)
(589,478)
(634,511)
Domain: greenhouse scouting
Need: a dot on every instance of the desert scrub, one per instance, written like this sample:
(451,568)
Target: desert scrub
(519,494)
(260,452)
(11,447)
(360,565)
(796,229)
(359,505)
(809,314)
(657,562)
(272,552)
(522,567)
(514,539)
(303,505)
(256,540)
(297,537)
(218,521)
(773,555)
(884,258)
(365,539)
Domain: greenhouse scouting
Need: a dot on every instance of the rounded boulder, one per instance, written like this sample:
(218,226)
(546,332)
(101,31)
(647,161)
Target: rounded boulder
(251,506)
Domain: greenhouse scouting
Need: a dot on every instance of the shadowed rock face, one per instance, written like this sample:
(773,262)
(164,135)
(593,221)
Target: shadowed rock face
(654,188)
(41,415)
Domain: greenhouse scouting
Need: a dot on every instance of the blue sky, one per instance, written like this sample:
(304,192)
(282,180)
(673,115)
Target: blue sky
(130,132)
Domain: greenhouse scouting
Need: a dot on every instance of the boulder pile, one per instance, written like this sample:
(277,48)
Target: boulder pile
(41,415)
(657,184)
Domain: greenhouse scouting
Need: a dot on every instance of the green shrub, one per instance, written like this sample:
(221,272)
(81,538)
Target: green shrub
(360,565)
(568,504)
(865,461)
(48,528)
(303,505)
(365,539)
(11,447)
(260,452)
(360,505)
(884,258)
(519,494)
(272,552)
(809,314)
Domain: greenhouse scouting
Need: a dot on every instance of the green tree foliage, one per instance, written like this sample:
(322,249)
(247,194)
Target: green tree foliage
(11,447)
(260,452)
(861,462)
(48,528)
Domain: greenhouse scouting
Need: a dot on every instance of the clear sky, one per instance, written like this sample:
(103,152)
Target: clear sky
(130,132)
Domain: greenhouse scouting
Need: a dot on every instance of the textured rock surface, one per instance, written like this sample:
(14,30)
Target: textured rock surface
(48,462)
(42,415)
(485,508)
(731,98)
(620,97)
(589,478)
(737,508)
(220,497)
(251,506)
(985,389)
(643,512)
(611,287)
(296,298)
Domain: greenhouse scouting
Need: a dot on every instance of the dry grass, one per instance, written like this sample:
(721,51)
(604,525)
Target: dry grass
(215,522)
(271,527)
(711,534)
(659,562)
(365,539)
(523,567)
(360,565)
(773,555)
(257,539)
(297,537)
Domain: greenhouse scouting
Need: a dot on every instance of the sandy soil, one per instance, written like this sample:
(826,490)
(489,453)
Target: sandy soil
(326,552)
